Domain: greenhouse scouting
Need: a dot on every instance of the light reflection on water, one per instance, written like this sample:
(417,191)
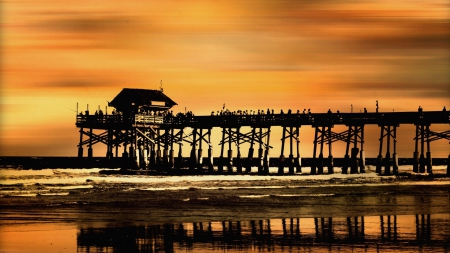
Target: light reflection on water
(394,233)
(71,229)
(369,234)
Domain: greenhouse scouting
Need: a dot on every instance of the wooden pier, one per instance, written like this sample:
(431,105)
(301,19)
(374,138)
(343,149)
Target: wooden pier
(143,126)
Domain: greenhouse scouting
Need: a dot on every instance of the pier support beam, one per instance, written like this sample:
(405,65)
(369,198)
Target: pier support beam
(250,152)
(193,156)
(281,160)
(330,156)
(222,147)
(298,159)
(314,162)
(266,162)
(80,146)
(238,147)
(210,162)
(230,153)
(90,152)
(200,150)
(380,150)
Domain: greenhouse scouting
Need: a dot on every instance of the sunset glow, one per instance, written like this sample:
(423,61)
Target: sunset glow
(247,54)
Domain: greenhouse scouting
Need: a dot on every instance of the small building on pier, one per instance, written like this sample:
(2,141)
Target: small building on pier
(131,101)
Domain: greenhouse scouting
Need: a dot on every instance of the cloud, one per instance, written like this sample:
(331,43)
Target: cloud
(76,84)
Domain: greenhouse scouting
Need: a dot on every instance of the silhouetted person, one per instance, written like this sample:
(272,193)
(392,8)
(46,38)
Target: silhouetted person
(365,110)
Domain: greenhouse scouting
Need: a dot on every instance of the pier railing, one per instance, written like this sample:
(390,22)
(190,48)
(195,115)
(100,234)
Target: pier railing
(266,119)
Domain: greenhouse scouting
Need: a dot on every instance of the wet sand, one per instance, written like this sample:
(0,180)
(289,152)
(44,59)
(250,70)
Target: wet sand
(95,202)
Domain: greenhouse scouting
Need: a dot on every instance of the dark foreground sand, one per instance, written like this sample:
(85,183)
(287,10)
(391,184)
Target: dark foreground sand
(163,206)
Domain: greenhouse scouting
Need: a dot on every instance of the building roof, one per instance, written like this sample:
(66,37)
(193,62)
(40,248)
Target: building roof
(130,98)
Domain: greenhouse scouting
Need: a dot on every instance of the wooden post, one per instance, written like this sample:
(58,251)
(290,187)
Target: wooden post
(193,157)
(362,156)
(354,152)
(210,153)
(387,169)
(347,157)
(230,153)
(291,151)
(221,162)
(90,151)
(80,147)
(238,147)
(320,160)
(330,155)
(314,162)
(166,149)
(416,152)
(158,152)
(394,154)
(281,160)
(200,150)
(266,162)
(180,149)
(171,154)
(422,145)
(298,162)
(260,153)
(429,163)
(250,152)
(380,156)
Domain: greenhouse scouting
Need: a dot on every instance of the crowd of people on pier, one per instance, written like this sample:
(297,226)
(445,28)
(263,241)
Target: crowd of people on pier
(167,116)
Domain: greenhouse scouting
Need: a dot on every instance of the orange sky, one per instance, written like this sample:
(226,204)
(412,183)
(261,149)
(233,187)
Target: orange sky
(247,54)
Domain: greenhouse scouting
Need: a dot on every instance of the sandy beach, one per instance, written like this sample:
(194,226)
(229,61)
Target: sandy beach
(84,204)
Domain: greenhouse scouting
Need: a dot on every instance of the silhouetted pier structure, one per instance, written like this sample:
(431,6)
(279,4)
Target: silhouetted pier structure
(143,125)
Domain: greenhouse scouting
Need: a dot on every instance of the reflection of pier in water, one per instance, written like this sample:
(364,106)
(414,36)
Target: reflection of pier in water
(370,232)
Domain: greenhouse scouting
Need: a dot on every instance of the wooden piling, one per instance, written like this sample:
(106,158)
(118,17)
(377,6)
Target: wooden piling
(266,162)
(422,162)
(250,152)
(320,159)
(429,161)
(387,161)
(291,150)
(221,159)
(180,149)
(380,156)
(330,156)
(394,154)
(230,153)
(238,147)
(298,162)
(200,150)
(314,162)
(210,153)
(281,160)
(193,156)
(90,151)
(362,156)
(416,160)
(354,152)
(347,157)
(80,147)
